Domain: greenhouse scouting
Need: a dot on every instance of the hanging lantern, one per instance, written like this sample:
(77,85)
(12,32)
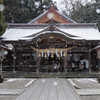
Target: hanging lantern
(61,53)
(48,53)
(42,54)
(56,53)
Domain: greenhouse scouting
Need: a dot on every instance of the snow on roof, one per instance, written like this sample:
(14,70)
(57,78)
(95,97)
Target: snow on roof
(97,47)
(87,33)
(10,46)
(4,47)
(14,34)
(72,31)
(55,32)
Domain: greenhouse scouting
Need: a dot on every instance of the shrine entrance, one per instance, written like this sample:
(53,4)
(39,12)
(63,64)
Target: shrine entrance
(51,42)
(52,64)
(52,58)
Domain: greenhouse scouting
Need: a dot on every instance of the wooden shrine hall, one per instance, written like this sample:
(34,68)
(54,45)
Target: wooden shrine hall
(51,42)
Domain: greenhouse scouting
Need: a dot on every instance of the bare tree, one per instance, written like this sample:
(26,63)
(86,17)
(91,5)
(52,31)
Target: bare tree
(83,11)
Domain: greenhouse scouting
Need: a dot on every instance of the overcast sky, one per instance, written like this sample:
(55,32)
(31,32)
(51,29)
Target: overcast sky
(61,6)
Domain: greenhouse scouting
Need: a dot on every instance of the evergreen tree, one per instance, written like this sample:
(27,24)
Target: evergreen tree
(2,25)
(22,11)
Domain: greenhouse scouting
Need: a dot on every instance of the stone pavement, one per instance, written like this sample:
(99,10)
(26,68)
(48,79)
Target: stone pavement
(49,89)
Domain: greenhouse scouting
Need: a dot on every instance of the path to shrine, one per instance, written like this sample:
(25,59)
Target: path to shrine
(49,89)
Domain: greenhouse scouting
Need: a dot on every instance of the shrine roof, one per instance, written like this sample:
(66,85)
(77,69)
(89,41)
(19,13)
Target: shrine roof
(51,15)
(96,48)
(3,47)
(26,32)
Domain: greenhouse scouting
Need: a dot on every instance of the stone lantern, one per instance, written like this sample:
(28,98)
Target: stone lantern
(3,52)
(1,7)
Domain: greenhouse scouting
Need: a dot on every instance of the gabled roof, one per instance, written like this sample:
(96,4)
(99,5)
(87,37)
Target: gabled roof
(71,31)
(51,15)
(3,47)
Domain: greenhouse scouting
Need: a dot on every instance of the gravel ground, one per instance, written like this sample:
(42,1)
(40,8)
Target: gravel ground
(14,83)
(8,97)
(86,83)
(83,83)
(90,97)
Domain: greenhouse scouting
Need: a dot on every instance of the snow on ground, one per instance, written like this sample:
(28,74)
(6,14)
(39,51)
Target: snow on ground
(21,79)
(87,88)
(85,83)
(87,80)
(17,79)
(16,83)
(30,82)
(71,82)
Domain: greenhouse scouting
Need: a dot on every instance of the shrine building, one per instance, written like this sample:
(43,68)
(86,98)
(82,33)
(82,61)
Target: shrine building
(49,43)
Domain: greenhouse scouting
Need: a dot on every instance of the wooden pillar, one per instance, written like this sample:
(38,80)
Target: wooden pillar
(27,63)
(1,77)
(65,61)
(19,58)
(14,61)
(89,57)
(1,60)
(38,62)
(0,68)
